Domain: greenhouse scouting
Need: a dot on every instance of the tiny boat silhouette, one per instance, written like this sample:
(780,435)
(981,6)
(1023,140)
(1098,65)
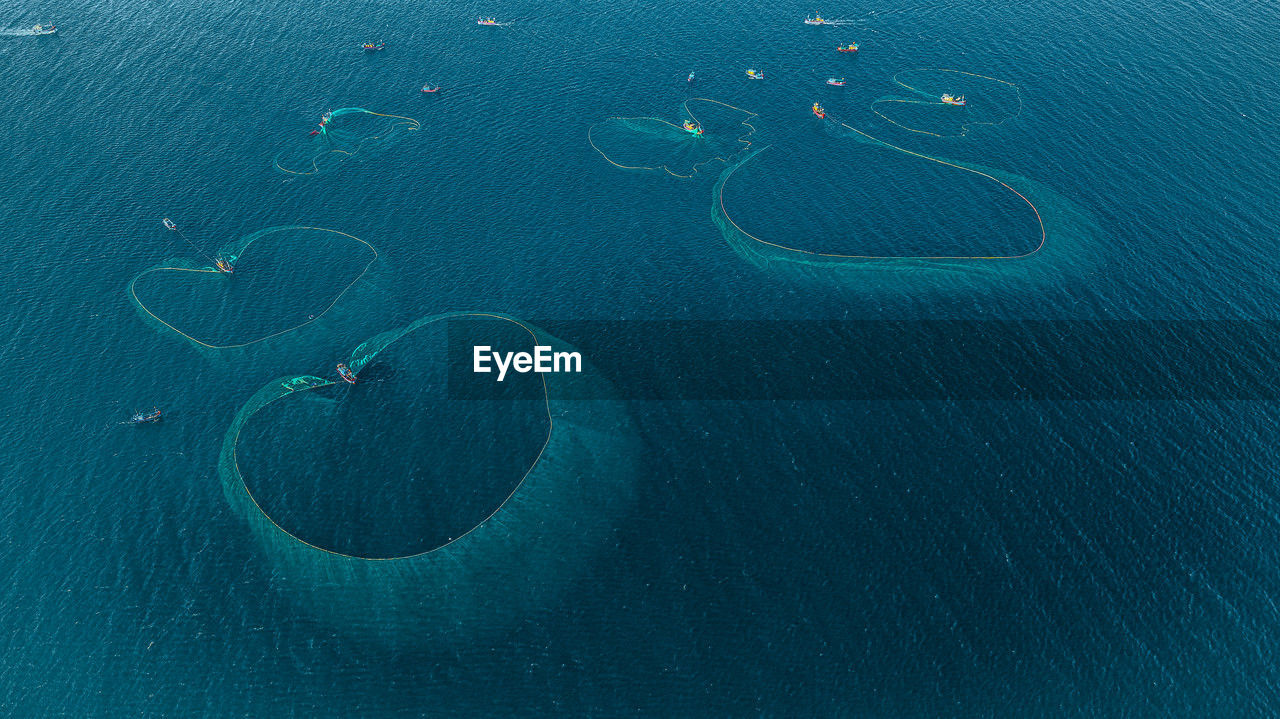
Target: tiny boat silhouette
(44,29)
(374,47)
(346,374)
(819,111)
(690,77)
(815,20)
(851,47)
(950,100)
(838,82)
(224,266)
(692,127)
(487,21)
(430,88)
(145,417)
(755,74)
(169,223)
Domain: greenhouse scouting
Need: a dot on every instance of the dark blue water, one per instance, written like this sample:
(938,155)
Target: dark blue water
(857,559)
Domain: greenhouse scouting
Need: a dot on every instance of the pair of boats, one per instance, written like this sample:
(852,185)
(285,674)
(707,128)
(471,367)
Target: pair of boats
(374,46)
(44,29)
(949,99)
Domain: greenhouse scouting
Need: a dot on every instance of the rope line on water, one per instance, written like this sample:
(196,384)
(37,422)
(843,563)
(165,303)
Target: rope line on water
(194,246)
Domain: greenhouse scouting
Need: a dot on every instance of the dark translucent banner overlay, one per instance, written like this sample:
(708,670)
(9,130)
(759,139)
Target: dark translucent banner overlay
(881,360)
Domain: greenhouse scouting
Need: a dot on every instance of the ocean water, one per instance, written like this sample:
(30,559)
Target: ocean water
(879,559)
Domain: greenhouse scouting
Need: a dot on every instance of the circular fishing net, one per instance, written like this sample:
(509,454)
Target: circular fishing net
(1041,233)
(400,510)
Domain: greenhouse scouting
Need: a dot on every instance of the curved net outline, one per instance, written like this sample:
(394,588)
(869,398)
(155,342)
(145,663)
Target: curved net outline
(232,253)
(361,356)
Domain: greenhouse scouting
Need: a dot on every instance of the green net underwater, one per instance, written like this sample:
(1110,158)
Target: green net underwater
(264,285)
(344,134)
(401,513)
(703,132)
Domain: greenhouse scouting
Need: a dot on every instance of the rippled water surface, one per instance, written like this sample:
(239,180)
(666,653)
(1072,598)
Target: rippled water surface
(881,559)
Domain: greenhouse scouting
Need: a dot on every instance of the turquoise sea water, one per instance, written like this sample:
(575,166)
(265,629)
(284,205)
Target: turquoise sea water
(810,558)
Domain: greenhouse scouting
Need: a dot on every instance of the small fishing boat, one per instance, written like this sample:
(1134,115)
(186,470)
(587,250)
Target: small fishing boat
(692,127)
(431,88)
(169,223)
(815,20)
(755,74)
(851,47)
(44,29)
(313,133)
(224,266)
(819,111)
(374,47)
(836,81)
(949,100)
(145,417)
(690,77)
(346,374)
(487,21)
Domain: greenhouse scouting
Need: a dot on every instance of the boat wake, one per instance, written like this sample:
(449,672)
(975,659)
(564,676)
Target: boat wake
(30,31)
